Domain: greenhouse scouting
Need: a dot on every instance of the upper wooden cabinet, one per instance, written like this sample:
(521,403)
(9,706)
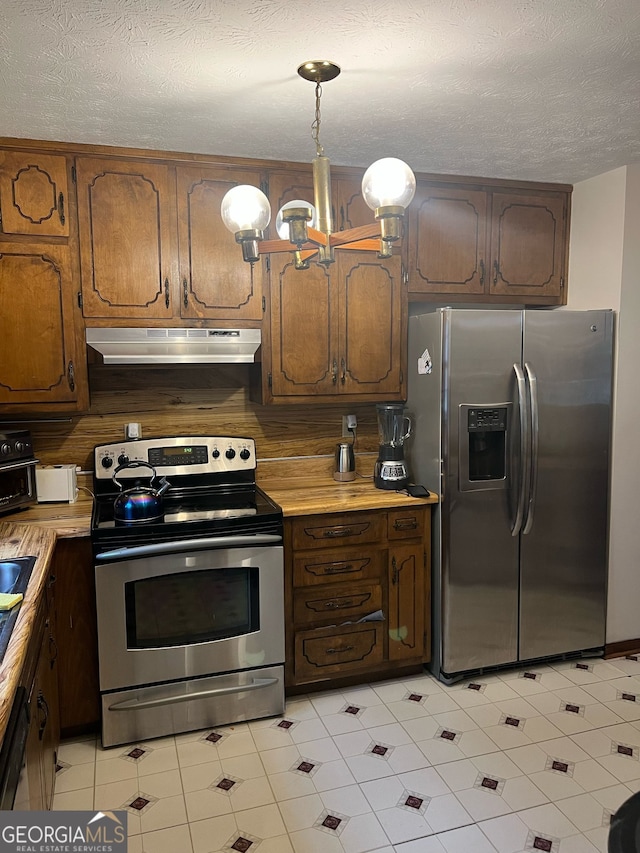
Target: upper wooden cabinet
(153,246)
(477,244)
(40,355)
(33,194)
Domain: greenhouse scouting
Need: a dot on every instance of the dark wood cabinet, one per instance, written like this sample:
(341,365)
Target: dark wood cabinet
(33,194)
(40,358)
(478,244)
(343,573)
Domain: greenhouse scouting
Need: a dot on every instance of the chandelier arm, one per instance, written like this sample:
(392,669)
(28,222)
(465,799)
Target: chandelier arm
(271,247)
(351,235)
(369,245)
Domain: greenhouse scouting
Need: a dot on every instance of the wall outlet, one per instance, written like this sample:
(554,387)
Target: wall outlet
(349,423)
(133,430)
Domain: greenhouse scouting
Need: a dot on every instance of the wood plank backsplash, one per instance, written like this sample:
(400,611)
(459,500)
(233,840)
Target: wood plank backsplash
(195,400)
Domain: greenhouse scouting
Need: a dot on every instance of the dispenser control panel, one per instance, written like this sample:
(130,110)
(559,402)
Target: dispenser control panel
(487,419)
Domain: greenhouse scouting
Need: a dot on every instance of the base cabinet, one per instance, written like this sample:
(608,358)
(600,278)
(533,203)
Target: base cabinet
(357,594)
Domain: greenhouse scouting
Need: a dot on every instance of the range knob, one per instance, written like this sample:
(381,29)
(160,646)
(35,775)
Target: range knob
(5,448)
(230,454)
(123,459)
(106,462)
(215,453)
(245,454)
(19,446)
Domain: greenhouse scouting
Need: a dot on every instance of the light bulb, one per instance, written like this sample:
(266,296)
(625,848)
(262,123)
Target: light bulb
(388,182)
(283,227)
(245,208)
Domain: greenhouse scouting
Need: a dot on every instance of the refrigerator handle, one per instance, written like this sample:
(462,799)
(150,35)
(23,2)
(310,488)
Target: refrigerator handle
(533,397)
(524,447)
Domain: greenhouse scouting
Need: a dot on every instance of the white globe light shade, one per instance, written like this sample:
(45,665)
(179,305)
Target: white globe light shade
(283,227)
(388,182)
(245,208)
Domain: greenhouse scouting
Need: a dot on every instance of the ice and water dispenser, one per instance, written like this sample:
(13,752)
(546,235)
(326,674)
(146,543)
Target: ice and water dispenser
(483,442)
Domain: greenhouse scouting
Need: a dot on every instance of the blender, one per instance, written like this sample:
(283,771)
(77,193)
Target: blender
(390,471)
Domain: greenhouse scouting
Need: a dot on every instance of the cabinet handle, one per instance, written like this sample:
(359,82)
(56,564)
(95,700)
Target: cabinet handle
(405,524)
(394,571)
(52,657)
(334,371)
(61,209)
(343,375)
(71,378)
(338,651)
(338,570)
(482,272)
(51,581)
(341,217)
(185,293)
(496,270)
(339,604)
(338,531)
(42,706)
(166,292)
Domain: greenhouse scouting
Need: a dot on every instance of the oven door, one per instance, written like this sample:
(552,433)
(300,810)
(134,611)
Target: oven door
(168,617)
(17,485)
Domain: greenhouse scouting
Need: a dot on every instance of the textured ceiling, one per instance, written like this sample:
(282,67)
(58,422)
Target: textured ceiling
(531,89)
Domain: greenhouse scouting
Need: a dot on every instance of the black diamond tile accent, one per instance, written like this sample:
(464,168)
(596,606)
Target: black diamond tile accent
(622,749)
(241,844)
(414,697)
(582,666)
(531,675)
(378,749)
(540,843)
(630,697)
(492,784)
(562,766)
(512,721)
(332,822)
(225,784)
(474,686)
(59,767)
(352,709)
(136,753)
(139,803)
(285,724)
(213,737)
(413,802)
(305,766)
(573,709)
(631,657)
(446,735)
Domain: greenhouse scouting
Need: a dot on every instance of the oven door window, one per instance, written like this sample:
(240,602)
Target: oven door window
(192,607)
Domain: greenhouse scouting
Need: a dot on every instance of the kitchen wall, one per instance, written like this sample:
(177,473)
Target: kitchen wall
(202,400)
(604,272)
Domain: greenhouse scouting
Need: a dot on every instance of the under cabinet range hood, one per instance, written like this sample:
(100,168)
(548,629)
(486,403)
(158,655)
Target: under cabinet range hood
(175,345)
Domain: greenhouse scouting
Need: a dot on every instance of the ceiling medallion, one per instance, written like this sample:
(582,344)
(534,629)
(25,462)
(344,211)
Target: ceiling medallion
(306,229)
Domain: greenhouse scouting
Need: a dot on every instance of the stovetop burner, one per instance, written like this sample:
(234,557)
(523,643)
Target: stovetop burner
(213,490)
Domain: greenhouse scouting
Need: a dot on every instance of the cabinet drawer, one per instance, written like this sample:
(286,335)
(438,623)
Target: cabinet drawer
(406,523)
(337,604)
(346,528)
(336,651)
(338,566)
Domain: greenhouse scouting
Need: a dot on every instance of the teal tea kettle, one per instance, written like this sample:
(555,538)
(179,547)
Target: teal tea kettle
(139,503)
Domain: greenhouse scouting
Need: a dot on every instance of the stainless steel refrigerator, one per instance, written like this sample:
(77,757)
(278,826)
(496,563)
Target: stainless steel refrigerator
(511,418)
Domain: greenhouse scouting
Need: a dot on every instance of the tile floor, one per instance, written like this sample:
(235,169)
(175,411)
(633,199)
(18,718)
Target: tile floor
(526,760)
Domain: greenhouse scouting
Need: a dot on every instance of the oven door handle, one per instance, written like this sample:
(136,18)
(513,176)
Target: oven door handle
(189,545)
(141,704)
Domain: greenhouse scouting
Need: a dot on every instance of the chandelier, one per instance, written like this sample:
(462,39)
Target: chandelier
(306,229)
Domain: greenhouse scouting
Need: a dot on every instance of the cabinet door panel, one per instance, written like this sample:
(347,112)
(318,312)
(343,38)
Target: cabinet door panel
(337,651)
(33,194)
(304,337)
(215,282)
(350,528)
(338,566)
(448,237)
(352,210)
(336,604)
(527,244)
(370,320)
(127,237)
(406,602)
(37,336)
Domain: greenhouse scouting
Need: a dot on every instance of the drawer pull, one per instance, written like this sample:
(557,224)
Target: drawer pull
(405,524)
(338,531)
(339,570)
(339,651)
(338,604)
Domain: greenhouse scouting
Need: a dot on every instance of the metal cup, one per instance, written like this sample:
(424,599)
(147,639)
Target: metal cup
(345,467)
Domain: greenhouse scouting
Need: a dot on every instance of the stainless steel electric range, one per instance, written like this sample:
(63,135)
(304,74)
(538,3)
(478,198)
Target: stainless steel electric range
(190,602)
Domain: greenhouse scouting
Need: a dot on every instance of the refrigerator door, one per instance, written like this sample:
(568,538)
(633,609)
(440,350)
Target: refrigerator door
(481,459)
(568,360)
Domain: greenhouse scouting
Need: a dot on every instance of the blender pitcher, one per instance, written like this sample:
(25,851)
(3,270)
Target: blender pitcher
(390,471)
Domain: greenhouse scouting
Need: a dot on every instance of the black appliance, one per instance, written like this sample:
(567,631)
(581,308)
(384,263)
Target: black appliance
(17,470)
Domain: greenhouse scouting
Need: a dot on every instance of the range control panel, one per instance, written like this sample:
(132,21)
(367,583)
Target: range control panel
(176,455)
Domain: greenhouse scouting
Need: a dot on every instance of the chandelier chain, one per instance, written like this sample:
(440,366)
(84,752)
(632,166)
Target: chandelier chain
(315,126)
